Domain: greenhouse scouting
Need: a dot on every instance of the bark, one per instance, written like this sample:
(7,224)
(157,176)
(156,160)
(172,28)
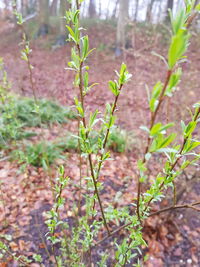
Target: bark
(136,10)
(64,5)
(43,17)
(170,4)
(108,8)
(92,9)
(115,9)
(121,25)
(54,8)
(100,9)
(149,11)
(6,9)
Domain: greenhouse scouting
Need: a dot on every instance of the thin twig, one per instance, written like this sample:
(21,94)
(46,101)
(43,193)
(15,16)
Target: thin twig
(174,194)
(89,155)
(153,118)
(177,160)
(191,206)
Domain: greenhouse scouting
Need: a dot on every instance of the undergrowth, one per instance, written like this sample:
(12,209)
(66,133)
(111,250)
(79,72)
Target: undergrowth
(42,154)
(32,114)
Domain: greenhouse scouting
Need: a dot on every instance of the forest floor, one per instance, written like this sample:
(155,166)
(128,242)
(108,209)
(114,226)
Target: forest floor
(174,240)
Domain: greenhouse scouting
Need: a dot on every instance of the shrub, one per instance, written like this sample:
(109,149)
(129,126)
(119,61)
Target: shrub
(68,143)
(79,241)
(39,155)
(30,114)
(11,128)
(77,249)
(117,140)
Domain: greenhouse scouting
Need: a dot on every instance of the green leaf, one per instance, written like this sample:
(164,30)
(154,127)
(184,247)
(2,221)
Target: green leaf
(154,96)
(85,48)
(198,7)
(71,33)
(185,164)
(159,128)
(178,47)
(86,79)
(167,141)
(190,128)
(178,22)
(113,87)
(144,128)
(190,145)
(93,119)
(173,82)
(159,56)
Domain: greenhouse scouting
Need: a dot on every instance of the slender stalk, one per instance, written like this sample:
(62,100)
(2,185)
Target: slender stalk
(80,174)
(85,125)
(25,42)
(174,194)
(153,119)
(31,80)
(190,206)
(177,160)
(107,132)
(126,258)
(106,139)
(185,206)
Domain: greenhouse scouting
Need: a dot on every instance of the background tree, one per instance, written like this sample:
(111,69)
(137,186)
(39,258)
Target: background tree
(136,10)
(121,24)
(149,10)
(92,9)
(170,4)
(115,9)
(54,8)
(43,17)
(64,5)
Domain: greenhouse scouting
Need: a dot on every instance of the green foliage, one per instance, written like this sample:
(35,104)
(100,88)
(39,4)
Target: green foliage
(161,139)
(11,128)
(30,114)
(180,38)
(97,133)
(117,140)
(68,143)
(39,155)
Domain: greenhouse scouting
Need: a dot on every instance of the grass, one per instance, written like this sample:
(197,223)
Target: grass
(20,113)
(45,112)
(42,154)
(117,141)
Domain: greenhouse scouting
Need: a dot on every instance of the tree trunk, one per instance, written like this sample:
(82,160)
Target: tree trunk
(115,9)
(136,10)
(92,9)
(6,9)
(170,4)
(43,17)
(64,5)
(121,25)
(54,8)
(149,11)
(100,9)
(107,9)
